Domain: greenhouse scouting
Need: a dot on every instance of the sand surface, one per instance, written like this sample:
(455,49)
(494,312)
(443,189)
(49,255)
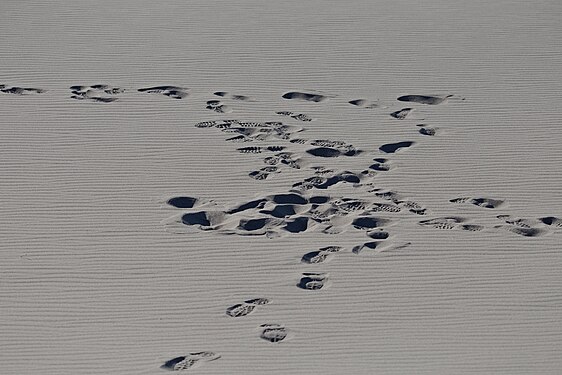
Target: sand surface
(302,250)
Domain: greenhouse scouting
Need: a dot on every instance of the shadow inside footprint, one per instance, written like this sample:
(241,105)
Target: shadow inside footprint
(304,96)
(324,152)
(182,202)
(300,224)
(273,332)
(312,281)
(391,148)
(289,199)
(189,361)
(423,99)
(281,211)
(366,223)
(196,218)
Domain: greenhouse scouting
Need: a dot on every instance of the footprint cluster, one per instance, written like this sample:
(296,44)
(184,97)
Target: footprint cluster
(312,202)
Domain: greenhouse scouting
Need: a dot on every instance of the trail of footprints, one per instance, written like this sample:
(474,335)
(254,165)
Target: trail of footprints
(309,205)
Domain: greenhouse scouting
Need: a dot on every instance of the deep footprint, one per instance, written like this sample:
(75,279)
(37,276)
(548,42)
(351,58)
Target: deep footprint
(391,148)
(182,202)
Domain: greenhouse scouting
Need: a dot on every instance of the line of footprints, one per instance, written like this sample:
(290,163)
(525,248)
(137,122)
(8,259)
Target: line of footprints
(307,205)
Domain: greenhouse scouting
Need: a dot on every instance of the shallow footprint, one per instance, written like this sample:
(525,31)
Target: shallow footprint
(192,360)
(363,103)
(273,332)
(401,114)
(20,90)
(481,202)
(174,92)
(521,231)
(296,116)
(246,308)
(423,99)
(450,222)
(321,255)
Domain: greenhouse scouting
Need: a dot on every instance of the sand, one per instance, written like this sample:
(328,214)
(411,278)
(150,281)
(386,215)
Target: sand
(246,187)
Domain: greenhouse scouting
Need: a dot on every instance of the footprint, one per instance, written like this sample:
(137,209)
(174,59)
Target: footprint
(450,222)
(324,152)
(522,227)
(290,198)
(96,93)
(300,224)
(260,224)
(367,245)
(217,106)
(225,94)
(363,103)
(380,165)
(281,211)
(391,148)
(378,235)
(320,182)
(258,203)
(273,332)
(481,202)
(385,207)
(552,221)
(525,232)
(192,360)
(296,116)
(472,227)
(319,199)
(321,255)
(304,96)
(379,247)
(350,205)
(174,92)
(426,130)
(246,308)
(182,202)
(369,222)
(423,99)
(401,114)
(313,280)
(259,175)
(204,220)
(523,223)
(20,90)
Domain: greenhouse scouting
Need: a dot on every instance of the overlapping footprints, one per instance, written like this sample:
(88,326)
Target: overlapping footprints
(100,93)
